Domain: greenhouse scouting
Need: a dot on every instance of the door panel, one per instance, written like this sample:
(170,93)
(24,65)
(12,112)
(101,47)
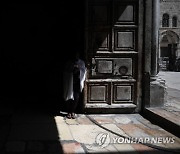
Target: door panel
(98,92)
(98,12)
(99,40)
(112,34)
(125,12)
(123,93)
(114,68)
(124,40)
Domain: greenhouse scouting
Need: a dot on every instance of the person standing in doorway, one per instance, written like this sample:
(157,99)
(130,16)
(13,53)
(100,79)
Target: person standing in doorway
(74,77)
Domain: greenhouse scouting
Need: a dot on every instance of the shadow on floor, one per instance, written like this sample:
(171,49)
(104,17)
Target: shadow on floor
(29,131)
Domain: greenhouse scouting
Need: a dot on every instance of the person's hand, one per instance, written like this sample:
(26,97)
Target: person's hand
(76,66)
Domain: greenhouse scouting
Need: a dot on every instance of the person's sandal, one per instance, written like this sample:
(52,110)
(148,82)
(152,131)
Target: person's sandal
(69,116)
(73,116)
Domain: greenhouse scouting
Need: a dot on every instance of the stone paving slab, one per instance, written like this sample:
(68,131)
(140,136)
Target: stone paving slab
(72,147)
(85,133)
(104,119)
(133,125)
(84,121)
(145,149)
(64,132)
(171,109)
(60,135)
(96,149)
(125,148)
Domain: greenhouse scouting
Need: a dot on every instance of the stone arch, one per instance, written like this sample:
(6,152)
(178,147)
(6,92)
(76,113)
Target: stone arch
(172,37)
(168,49)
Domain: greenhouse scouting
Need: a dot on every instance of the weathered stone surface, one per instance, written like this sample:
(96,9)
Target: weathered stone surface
(125,148)
(59,119)
(172,9)
(97,149)
(85,133)
(134,130)
(114,128)
(145,149)
(72,147)
(83,138)
(123,120)
(54,147)
(84,121)
(166,114)
(64,132)
(71,121)
(157,94)
(104,120)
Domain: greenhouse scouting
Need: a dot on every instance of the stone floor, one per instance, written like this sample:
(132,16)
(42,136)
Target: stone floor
(40,133)
(170,112)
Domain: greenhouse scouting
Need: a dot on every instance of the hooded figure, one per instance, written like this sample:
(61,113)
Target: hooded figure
(73,82)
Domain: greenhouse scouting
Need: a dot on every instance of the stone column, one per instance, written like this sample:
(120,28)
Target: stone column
(147,53)
(148,35)
(155,38)
(178,50)
(157,85)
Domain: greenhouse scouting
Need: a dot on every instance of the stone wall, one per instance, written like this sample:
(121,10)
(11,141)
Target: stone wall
(171,7)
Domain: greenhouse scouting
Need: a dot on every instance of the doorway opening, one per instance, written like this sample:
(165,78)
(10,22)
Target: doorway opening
(168,51)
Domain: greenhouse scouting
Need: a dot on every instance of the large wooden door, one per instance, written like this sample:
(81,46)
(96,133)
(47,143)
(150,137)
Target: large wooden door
(113,47)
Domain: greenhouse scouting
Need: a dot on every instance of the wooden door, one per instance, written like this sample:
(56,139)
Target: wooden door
(114,33)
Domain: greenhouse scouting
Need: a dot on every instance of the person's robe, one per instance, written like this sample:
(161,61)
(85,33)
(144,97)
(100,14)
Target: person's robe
(68,79)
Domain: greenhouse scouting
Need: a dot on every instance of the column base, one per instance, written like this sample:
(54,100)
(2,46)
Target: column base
(158,94)
(154,77)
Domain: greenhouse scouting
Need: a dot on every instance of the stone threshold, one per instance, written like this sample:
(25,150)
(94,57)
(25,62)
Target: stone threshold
(113,108)
(166,120)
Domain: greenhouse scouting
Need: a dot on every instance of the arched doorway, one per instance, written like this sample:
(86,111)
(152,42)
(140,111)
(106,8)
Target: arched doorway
(169,41)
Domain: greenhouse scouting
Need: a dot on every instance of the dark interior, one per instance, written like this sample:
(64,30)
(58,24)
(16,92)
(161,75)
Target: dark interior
(36,41)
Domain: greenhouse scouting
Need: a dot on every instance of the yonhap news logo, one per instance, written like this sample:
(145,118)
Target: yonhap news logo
(104,139)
